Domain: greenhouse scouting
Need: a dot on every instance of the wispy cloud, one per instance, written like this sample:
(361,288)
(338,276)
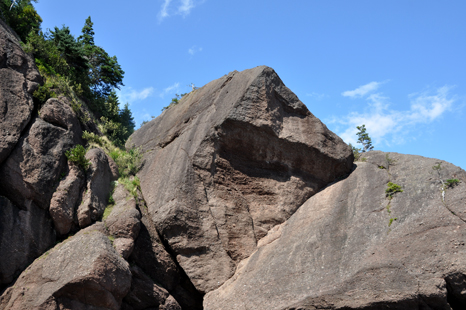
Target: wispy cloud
(177,7)
(390,126)
(362,90)
(193,50)
(130,95)
(170,89)
(316,96)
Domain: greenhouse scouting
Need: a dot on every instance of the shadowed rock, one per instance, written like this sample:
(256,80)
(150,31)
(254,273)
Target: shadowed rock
(352,247)
(83,272)
(24,235)
(230,161)
(19,78)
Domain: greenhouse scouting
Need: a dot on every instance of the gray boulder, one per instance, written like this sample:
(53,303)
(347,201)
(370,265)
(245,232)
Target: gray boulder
(229,162)
(19,78)
(83,272)
(352,246)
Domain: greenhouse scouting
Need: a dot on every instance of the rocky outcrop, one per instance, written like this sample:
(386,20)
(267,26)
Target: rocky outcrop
(230,161)
(352,246)
(83,272)
(124,221)
(25,233)
(32,171)
(145,294)
(95,199)
(19,78)
(66,199)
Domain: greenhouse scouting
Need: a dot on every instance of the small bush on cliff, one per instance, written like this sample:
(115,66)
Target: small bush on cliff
(76,156)
(364,139)
(452,182)
(392,189)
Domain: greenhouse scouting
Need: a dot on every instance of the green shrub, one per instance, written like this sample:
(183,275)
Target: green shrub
(76,156)
(452,182)
(131,184)
(128,162)
(392,188)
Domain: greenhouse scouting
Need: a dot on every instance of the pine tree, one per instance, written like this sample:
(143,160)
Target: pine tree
(364,139)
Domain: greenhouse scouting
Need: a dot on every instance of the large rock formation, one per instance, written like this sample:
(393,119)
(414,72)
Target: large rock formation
(84,272)
(229,162)
(352,246)
(19,78)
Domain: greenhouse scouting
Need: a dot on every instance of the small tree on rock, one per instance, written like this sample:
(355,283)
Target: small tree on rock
(364,139)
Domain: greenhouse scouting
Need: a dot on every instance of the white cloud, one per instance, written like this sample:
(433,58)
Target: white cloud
(164,10)
(130,95)
(193,50)
(361,90)
(173,88)
(316,96)
(179,7)
(186,7)
(389,126)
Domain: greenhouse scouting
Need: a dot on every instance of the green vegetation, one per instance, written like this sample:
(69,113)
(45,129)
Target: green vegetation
(364,139)
(174,101)
(74,67)
(392,189)
(452,182)
(390,222)
(76,156)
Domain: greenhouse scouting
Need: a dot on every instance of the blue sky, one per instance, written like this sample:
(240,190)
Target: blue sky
(396,66)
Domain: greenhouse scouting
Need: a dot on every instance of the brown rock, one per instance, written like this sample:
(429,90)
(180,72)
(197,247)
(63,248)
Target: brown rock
(229,162)
(24,235)
(351,247)
(32,171)
(113,168)
(65,199)
(99,179)
(83,272)
(145,294)
(125,220)
(19,78)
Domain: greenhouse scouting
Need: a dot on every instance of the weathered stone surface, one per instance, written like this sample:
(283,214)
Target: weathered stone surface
(113,168)
(65,200)
(230,161)
(351,247)
(95,199)
(24,235)
(150,254)
(125,220)
(83,272)
(19,78)
(32,171)
(145,294)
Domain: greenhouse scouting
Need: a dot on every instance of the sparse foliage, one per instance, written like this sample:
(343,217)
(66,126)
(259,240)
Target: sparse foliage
(76,156)
(364,139)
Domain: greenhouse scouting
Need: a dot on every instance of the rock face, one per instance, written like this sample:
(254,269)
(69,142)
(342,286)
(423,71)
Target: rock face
(19,78)
(99,177)
(32,171)
(230,161)
(84,272)
(24,235)
(353,247)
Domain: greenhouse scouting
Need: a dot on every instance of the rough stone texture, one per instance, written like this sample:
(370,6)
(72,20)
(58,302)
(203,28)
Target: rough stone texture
(340,250)
(65,199)
(19,78)
(113,168)
(83,272)
(145,294)
(124,221)
(229,162)
(151,255)
(32,171)
(99,177)
(24,235)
